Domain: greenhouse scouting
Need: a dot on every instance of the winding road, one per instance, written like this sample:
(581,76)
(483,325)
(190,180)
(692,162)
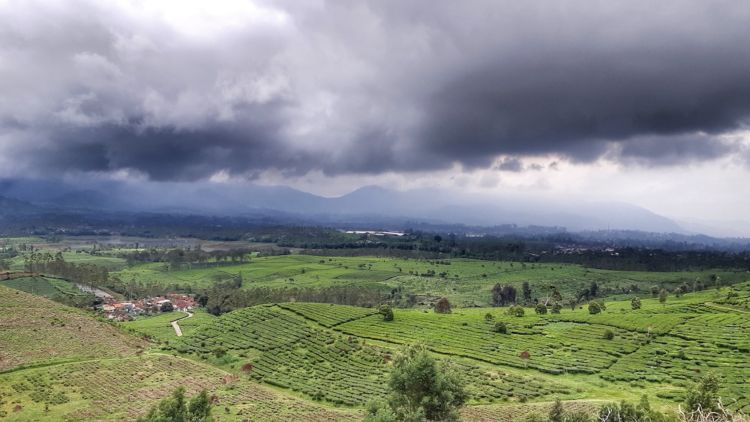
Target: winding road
(176,326)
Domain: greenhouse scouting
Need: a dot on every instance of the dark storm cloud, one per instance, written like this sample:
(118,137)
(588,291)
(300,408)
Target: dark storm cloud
(369,87)
(168,153)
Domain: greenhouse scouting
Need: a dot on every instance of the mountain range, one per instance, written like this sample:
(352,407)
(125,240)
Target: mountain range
(375,203)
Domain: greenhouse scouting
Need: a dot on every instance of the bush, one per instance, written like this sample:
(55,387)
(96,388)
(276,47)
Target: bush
(488,317)
(556,308)
(594,308)
(516,310)
(635,303)
(500,327)
(608,335)
(387,312)
(540,309)
(704,397)
(442,306)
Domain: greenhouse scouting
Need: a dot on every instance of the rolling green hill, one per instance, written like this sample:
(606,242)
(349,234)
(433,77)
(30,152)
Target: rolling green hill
(463,281)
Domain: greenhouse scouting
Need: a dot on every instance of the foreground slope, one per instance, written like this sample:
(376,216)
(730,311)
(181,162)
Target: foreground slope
(52,370)
(35,330)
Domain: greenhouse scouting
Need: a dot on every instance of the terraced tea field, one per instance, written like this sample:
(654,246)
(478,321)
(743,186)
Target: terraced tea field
(554,347)
(122,389)
(661,349)
(286,350)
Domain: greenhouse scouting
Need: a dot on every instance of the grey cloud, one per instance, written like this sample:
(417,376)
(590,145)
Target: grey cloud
(371,87)
(674,150)
(511,164)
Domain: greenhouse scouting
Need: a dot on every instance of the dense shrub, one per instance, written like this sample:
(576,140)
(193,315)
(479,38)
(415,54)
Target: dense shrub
(442,306)
(387,312)
(635,303)
(516,310)
(500,327)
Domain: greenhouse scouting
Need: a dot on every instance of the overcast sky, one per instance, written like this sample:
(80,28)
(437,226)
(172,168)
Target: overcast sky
(640,101)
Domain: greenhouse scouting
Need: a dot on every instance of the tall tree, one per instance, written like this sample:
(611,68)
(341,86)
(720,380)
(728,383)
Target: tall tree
(420,389)
(526,292)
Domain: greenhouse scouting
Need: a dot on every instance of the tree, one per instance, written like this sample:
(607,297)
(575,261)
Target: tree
(663,296)
(167,307)
(386,311)
(199,408)
(503,295)
(635,303)
(420,389)
(442,306)
(556,308)
(704,396)
(540,309)
(556,296)
(594,289)
(608,335)
(526,288)
(175,408)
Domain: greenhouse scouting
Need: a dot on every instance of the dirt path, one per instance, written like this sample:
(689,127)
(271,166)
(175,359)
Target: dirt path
(176,326)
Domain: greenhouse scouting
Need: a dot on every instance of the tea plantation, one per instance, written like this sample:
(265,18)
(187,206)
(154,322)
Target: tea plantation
(340,354)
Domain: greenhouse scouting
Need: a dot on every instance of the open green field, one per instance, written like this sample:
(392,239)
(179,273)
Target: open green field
(465,282)
(159,327)
(79,257)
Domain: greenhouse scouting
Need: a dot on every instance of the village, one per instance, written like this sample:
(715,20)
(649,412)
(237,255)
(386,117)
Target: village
(128,310)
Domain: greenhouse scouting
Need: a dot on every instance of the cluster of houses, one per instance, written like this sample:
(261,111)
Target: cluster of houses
(125,311)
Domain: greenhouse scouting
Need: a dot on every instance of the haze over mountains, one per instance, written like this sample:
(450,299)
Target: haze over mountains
(423,205)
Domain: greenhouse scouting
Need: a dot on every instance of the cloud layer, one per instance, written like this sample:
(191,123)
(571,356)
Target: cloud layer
(184,90)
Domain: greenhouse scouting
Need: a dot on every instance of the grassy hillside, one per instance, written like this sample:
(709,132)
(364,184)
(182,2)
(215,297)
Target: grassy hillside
(35,330)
